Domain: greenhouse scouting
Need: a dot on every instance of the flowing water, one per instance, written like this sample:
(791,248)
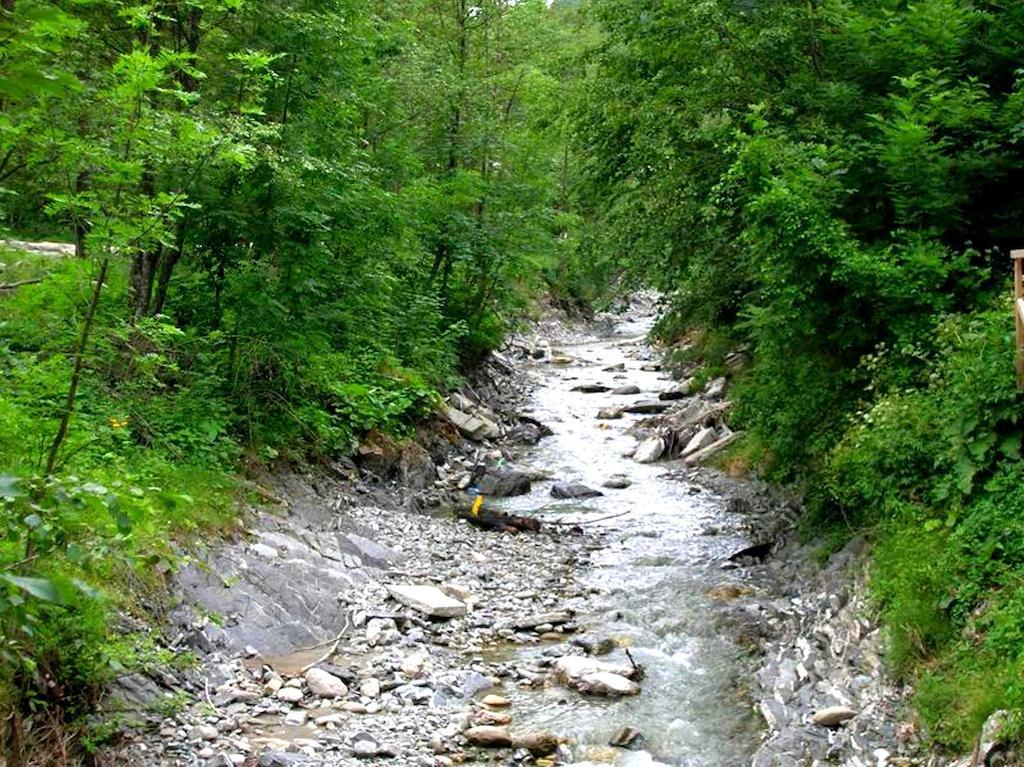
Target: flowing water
(653,574)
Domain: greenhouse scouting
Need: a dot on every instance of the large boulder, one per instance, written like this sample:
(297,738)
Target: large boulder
(501,482)
(573,490)
(488,736)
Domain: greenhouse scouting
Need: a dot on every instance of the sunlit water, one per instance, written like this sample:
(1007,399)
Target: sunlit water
(653,575)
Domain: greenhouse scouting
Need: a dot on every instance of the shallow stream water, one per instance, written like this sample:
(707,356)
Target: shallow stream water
(652,576)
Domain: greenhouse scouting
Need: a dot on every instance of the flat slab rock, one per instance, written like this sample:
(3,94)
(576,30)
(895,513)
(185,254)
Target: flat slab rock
(428,600)
(532,621)
(647,407)
(594,677)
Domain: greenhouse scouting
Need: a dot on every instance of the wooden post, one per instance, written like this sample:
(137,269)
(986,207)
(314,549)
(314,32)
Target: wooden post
(1018,310)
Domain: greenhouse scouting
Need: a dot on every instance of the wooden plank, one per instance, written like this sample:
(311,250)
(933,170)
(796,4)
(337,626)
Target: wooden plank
(1017,254)
(1020,309)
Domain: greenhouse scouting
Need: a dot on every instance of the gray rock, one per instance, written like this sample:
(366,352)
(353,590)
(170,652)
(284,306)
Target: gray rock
(650,450)
(617,482)
(472,427)
(647,407)
(700,440)
(428,600)
(628,389)
(833,716)
(503,482)
(609,413)
(591,388)
(573,490)
(551,619)
(325,685)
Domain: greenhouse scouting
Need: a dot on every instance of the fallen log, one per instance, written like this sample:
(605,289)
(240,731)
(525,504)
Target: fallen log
(488,519)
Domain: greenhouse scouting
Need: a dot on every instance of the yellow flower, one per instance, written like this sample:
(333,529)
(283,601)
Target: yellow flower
(117,423)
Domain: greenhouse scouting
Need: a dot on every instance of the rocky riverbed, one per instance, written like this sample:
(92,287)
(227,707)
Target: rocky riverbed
(663,614)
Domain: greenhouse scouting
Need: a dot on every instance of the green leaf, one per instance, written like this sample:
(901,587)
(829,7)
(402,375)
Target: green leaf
(41,588)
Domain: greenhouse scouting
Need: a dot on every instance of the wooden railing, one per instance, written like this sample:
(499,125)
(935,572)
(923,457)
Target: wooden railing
(1018,310)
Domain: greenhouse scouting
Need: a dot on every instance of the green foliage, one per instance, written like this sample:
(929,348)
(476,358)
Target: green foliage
(294,224)
(830,185)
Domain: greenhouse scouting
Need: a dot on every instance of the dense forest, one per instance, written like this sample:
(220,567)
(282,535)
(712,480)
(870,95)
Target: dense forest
(294,222)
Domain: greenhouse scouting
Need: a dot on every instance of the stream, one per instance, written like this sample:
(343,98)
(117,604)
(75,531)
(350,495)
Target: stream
(651,577)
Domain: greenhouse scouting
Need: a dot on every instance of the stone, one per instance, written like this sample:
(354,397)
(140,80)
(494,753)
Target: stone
(488,737)
(650,450)
(365,746)
(289,694)
(428,600)
(617,482)
(626,737)
(495,701)
(609,413)
(628,389)
(679,391)
(647,407)
(591,388)
(833,716)
(606,683)
(325,685)
(501,483)
(537,743)
(533,621)
(369,688)
(715,389)
(203,732)
(493,718)
(412,666)
(700,440)
(594,677)
(569,490)
(475,428)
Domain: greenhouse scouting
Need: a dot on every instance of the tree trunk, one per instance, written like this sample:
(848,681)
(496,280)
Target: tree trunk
(142,276)
(76,372)
(168,260)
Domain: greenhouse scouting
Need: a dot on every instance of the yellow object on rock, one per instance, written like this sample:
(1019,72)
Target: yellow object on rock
(476,506)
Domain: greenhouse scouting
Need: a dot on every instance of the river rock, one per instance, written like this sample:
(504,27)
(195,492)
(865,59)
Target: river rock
(488,736)
(537,743)
(626,737)
(325,685)
(609,413)
(472,427)
(833,716)
(628,389)
(679,391)
(650,450)
(289,694)
(428,600)
(492,718)
(594,677)
(369,688)
(496,701)
(573,490)
(501,482)
(617,482)
(700,440)
(647,407)
(591,388)
(551,619)
(715,389)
